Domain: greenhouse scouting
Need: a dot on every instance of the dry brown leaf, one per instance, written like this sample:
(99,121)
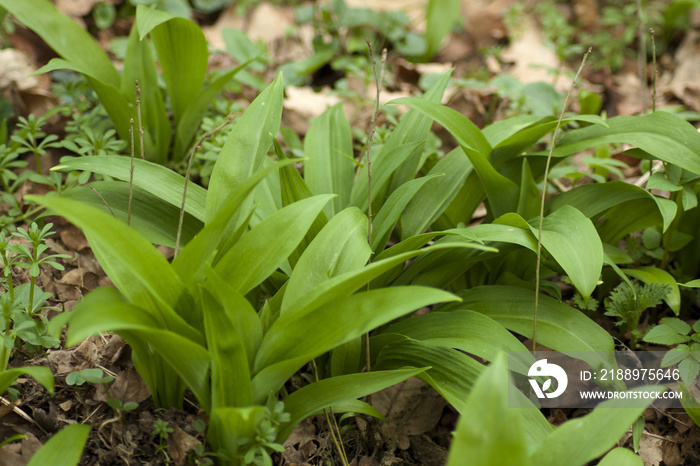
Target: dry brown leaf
(684,83)
(73,238)
(227,19)
(15,70)
(411,407)
(532,60)
(19,454)
(268,23)
(650,450)
(76,7)
(180,443)
(127,387)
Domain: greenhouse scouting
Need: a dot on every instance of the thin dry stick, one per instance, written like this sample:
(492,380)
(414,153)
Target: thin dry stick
(138,115)
(544,197)
(103,200)
(194,149)
(332,426)
(653,60)
(642,57)
(131,171)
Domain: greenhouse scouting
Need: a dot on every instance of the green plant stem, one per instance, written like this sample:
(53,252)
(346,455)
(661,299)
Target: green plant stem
(544,198)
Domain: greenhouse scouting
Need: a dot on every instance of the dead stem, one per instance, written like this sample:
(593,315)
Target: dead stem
(544,197)
(194,149)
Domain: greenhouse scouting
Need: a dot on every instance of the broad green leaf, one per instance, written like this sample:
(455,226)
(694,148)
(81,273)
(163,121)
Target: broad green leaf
(340,247)
(245,148)
(230,373)
(190,262)
(385,220)
(41,374)
(152,218)
(559,326)
(156,179)
(465,330)
(414,127)
(596,198)
(349,282)
(664,136)
(621,457)
(584,439)
(329,166)
(314,397)
(429,203)
(501,192)
(64,448)
(239,311)
(230,427)
(106,309)
(191,118)
(501,130)
(654,275)
(442,16)
(489,433)
(339,321)
(263,249)
(118,108)
(149,18)
(182,54)
(384,163)
(137,268)
(452,374)
(517,142)
(572,240)
(65,36)
(690,404)
(632,216)
(140,65)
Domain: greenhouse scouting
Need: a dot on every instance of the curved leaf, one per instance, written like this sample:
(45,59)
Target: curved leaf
(246,146)
(661,134)
(64,448)
(156,179)
(586,438)
(654,275)
(330,168)
(265,248)
(559,326)
(313,398)
(340,247)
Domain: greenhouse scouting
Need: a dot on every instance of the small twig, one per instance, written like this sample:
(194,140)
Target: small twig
(103,200)
(544,197)
(131,171)
(194,149)
(642,57)
(332,426)
(138,115)
(22,414)
(653,60)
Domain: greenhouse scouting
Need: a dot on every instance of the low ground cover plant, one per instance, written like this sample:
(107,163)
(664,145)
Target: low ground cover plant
(361,264)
